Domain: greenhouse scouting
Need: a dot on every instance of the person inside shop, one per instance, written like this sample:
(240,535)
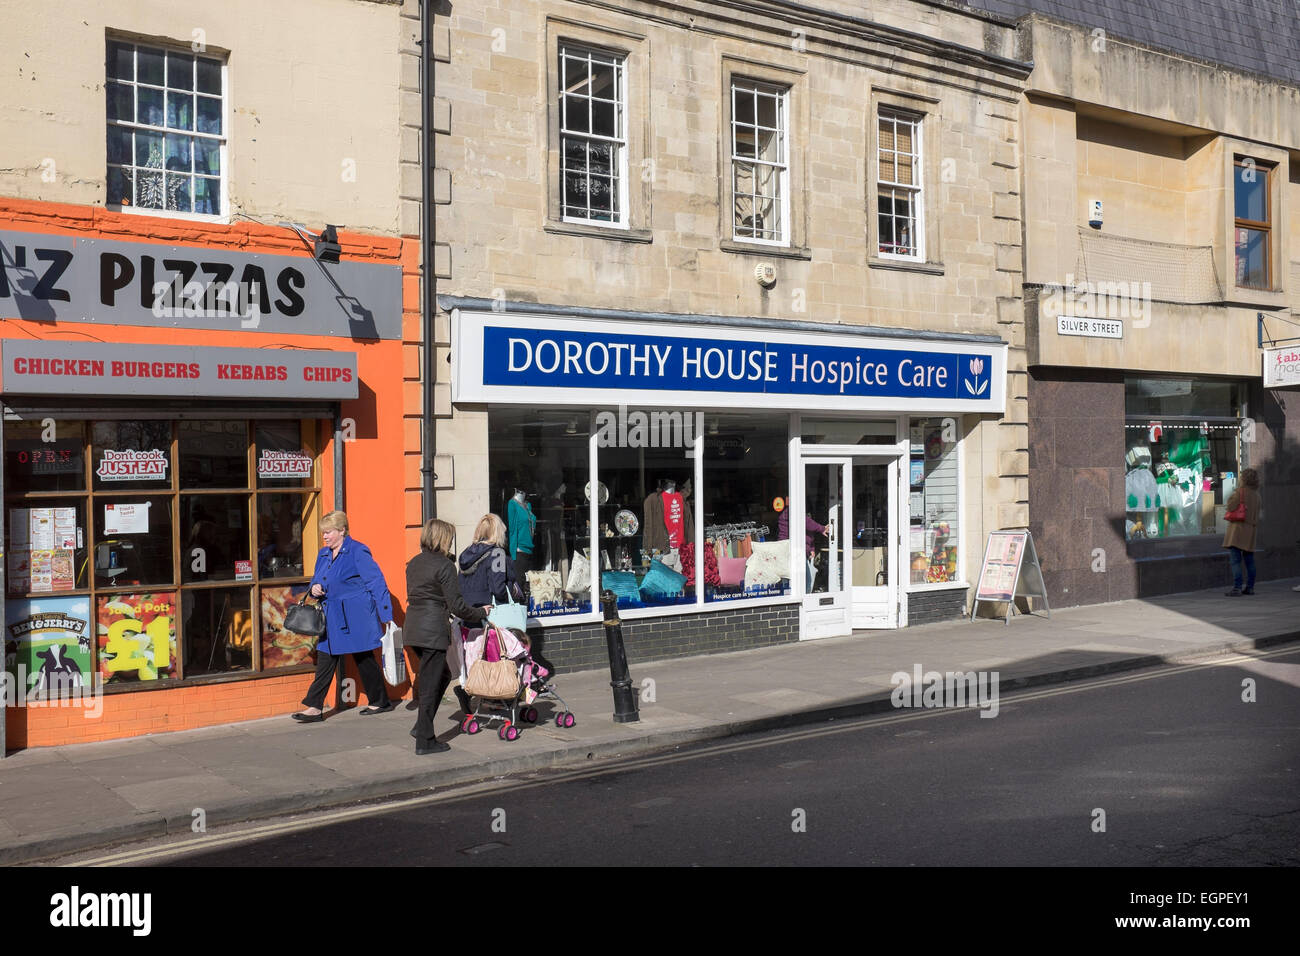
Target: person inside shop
(433,592)
(811,528)
(354,595)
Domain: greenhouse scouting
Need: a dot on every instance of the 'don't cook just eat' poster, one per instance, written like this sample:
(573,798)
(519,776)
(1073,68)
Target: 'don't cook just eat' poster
(47,645)
(137,636)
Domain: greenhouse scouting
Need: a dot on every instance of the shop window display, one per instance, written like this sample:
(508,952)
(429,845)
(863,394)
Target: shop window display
(150,533)
(1181,456)
(933,500)
(646,505)
(538,476)
(746,482)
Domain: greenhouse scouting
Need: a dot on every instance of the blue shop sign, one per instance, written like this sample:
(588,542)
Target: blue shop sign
(549,358)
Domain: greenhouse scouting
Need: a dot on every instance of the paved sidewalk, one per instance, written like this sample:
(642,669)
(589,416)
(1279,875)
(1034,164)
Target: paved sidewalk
(59,800)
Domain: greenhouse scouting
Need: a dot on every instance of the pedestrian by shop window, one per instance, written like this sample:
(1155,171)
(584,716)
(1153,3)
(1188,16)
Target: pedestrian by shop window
(1252,228)
(760,162)
(899,192)
(593,137)
(1183,456)
(166,129)
(152,550)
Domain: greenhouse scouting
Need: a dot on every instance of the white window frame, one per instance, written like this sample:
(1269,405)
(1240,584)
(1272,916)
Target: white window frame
(222,139)
(619,141)
(917,189)
(782,95)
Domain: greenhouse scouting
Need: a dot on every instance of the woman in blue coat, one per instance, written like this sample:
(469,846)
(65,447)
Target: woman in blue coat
(352,590)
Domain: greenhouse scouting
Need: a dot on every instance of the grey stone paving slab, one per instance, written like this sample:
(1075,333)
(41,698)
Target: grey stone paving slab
(84,753)
(194,790)
(140,767)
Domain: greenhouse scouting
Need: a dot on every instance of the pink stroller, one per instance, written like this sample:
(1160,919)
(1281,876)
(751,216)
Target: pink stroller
(533,684)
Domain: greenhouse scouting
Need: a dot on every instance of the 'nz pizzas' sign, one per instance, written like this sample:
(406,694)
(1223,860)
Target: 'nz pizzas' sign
(59,278)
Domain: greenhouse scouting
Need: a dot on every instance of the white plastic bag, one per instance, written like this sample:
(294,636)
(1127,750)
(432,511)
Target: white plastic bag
(394,655)
(579,575)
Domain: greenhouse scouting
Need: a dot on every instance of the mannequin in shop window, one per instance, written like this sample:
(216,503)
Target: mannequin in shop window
(667,521)
(522,523)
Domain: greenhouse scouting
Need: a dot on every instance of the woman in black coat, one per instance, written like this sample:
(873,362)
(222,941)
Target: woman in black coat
(433,593)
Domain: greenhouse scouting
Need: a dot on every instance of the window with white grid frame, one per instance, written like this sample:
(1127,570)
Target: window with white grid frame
(899,193)
(166,135)
(593,136)
(759,165)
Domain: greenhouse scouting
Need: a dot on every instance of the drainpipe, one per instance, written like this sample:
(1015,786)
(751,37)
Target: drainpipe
(429,302)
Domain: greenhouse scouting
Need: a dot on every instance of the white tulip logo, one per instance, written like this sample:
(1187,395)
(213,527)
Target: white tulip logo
(976,367)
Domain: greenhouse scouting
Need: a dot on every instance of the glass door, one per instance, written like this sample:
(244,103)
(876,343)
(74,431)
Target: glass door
(873,534)
(827,553)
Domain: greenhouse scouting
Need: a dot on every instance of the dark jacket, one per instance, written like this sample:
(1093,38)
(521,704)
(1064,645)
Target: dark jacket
(433,593)
(357,604)
(486,572)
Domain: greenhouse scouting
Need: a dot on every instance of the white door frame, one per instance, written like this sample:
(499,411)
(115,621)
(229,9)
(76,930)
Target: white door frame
(829,614)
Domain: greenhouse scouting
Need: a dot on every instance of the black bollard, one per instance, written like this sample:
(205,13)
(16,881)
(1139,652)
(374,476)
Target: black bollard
(625,704)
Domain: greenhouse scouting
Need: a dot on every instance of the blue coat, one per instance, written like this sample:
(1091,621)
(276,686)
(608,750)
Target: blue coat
(357,604)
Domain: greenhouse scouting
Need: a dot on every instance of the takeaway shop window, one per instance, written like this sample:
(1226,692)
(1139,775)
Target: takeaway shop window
(746,487)
(215,533)
(131,455)
(282,519)
(646,505)
(45,455)
(285,456)
(46,547)
(213,454)
(1182,456)
(542,457)
(218,628)
(133,540)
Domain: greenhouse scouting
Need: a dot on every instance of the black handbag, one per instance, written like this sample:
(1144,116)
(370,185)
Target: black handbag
(304,618)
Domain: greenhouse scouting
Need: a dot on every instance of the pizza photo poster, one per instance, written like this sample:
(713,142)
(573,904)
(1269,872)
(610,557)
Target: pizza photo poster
(281,648)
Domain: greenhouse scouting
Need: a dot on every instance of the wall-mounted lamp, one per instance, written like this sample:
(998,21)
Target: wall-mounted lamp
(325,247)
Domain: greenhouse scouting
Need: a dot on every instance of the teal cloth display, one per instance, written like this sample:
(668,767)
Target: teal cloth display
(662,581)
(522,522)
(622,583)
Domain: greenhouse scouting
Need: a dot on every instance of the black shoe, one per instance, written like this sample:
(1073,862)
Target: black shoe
(1235,592)
(308,718)
(436,747)
(382,709)
(1247,590)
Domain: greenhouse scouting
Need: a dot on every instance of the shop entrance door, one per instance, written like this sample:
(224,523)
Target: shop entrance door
(873,541)
(828,560)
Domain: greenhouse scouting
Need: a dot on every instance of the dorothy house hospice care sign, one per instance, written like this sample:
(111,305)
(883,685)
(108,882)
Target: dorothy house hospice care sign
(518,357)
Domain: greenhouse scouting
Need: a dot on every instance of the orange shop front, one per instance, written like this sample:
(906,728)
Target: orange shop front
(161,504)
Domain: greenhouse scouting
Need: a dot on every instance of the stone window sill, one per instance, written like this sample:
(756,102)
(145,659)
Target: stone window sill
(598,232)
(906,265)
(762,249)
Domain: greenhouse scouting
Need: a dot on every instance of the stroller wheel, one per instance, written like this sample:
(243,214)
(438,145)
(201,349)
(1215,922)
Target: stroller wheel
(501,731)
(471,726)
(559,719)
(569,720)
(530,715)
(512,733)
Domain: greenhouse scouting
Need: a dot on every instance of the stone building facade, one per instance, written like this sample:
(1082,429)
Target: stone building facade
(745,173)
(1161,198)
